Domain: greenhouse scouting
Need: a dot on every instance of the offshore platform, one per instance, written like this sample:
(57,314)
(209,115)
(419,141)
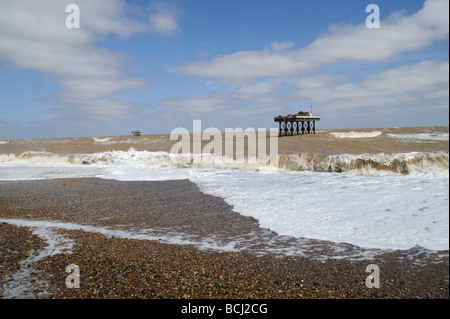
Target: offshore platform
(300,123)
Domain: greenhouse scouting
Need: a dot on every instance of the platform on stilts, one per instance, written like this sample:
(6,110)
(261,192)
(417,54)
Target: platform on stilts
(300,123)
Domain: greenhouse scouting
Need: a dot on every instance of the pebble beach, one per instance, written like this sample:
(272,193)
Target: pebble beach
(114,267)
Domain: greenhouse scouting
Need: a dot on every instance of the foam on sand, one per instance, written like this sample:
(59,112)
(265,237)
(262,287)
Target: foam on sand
(22,284)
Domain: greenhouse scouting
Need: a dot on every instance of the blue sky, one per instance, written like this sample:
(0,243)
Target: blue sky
(155,66)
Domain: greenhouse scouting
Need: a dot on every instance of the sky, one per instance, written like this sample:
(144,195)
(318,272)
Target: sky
(159,65)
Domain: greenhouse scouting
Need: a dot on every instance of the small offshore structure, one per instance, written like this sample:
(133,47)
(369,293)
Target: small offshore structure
(300,123)
(136,133)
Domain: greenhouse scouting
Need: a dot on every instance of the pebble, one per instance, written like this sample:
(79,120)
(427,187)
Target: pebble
(131,268)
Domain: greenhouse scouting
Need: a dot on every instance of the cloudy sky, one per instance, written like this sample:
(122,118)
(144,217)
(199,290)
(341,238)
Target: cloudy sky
(158,65)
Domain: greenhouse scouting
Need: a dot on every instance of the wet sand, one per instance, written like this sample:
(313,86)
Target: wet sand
(113,267)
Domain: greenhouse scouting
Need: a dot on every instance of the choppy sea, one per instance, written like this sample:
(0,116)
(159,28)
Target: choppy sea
(394,197)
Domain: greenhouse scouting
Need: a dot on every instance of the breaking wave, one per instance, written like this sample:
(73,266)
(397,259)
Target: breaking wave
(355,134)
(403,163)
(112,141)
(372,164)
(101,140)
(421,136)
(35,157)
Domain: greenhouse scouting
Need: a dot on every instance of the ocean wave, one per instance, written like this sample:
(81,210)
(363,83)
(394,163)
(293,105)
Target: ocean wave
(421,136)
(4,142)
(35,157)
(112,141)
(353,134)
(370,164)
(101,140)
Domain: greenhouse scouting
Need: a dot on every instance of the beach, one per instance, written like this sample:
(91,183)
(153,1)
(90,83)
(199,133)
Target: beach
(144,236)
(132,268)
(224,158)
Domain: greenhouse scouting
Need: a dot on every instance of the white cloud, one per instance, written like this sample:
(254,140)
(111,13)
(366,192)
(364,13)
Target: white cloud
(260,88)
(252,110)
(242,101)
(398,89)
(317,81)
(196,105)
(282,46)
(163,19)
(33,36)
(279,78)
(108,17)
(349,43)
(427,80)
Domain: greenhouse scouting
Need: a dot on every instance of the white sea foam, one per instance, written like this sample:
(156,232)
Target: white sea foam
(353,134)
(369,164)
(384,210)
(260,242)
(22,284)
(421,136)
(35,157)
(58,244)
(101,140)
(4,142)
(134,141)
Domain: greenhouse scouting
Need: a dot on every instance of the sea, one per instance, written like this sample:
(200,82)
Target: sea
(379,189)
